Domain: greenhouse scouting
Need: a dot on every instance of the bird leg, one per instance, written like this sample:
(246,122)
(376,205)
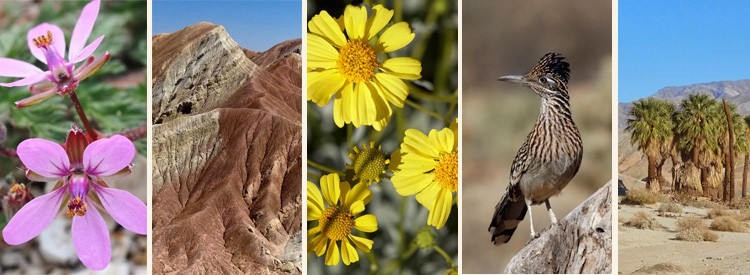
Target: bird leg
(531,221)
(552,217)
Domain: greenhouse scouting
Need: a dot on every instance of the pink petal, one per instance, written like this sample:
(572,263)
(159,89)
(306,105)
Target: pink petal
(34,217)
(17,68)
(44,157)
(58,40)
(91,66)
(124,208)
(28,80)
(107,156)
(86,52)
(82,31)
(91,239)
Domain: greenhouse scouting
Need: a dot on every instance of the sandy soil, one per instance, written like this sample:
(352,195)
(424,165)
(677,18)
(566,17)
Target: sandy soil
(642,248)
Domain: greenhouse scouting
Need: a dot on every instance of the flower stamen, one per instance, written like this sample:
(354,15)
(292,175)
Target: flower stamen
(76,206)
(368,164)
(357,61)
(446,170)
(336,223)
(44,40)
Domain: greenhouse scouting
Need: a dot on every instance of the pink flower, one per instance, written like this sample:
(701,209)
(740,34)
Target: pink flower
(78,167)
(47,43)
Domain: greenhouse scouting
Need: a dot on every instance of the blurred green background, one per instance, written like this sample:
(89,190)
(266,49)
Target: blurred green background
(435,24)
(509,37)
(114,100)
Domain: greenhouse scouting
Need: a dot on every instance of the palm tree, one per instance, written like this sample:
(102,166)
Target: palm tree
(731,142)
(650,124)
(747,158)
(697,123)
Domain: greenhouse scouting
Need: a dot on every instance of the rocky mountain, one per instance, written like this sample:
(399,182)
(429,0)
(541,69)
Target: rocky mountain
(226,154)
(632,163)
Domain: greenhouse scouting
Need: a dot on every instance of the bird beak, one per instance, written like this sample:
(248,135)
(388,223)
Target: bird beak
(512,78)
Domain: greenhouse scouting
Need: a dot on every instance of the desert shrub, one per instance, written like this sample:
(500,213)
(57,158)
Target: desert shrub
(729,224)
(721,212)
(699,202)
(690,223)
(642,220)
(670,207)
(744,215)
(710,236)
(661,268)
(697,235)
(640,197)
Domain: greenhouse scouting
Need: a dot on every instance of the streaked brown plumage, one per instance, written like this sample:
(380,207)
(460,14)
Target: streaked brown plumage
(551,154)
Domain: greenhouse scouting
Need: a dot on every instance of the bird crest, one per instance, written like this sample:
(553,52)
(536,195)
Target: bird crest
(551,64)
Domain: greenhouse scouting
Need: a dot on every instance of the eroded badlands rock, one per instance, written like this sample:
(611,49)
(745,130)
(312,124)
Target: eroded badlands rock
(227,169)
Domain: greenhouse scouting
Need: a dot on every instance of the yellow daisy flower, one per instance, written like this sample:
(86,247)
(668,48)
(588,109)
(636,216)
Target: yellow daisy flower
(347,66)
(429,168)
(335,211)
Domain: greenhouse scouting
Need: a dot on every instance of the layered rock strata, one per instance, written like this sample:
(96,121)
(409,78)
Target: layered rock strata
(226,155)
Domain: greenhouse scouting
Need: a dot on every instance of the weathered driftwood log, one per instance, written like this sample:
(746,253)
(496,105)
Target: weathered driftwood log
(581,243)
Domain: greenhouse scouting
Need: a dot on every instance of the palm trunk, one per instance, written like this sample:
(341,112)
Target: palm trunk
(744,174)
(730,169)
(651,180)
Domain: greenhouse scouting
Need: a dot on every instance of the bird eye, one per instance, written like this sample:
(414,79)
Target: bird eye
(544,79)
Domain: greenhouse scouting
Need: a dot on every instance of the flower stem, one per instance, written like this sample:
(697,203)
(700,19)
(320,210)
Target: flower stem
(445,255)
(424,110)
(323,168)
(82,115)
(135,133)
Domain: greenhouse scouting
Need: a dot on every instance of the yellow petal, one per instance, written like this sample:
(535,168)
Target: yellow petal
(442,209)
(358,193)
(410,184)
(403,67)
(320,53)
(395,37)
(442,139)
(376,22)
(381,123)
(348,253)
(332,255)
(366,223)
(331,190)
(363,244)
(318,244)
(355,20)
(324,25)
(416,142)
(314,199)
(454,128)
(314,76)
(357,207)
(393,89)
(428,196)
(322,90)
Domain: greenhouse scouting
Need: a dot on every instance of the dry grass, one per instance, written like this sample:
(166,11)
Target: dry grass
(744,215)
(712,271)
(721,212)
(670,207)
(640,197)
(743,203)
(690,223)
(728,224)
(694,229)
(661,268)
(642,220)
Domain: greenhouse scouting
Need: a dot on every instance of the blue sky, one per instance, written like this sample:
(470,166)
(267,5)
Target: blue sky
(675,43)
(255,24)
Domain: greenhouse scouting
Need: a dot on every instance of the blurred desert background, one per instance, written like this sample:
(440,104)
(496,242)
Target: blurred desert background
(508,37)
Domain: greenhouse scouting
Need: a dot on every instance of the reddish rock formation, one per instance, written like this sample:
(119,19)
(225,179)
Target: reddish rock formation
(226,155)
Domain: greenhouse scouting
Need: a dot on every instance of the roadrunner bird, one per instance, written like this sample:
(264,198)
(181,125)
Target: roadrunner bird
(551,154)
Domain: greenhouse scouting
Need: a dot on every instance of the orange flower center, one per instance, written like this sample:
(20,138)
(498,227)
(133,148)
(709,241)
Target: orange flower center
(44,40)
(357,61)
(76,206)
(446,171)
(336,222)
